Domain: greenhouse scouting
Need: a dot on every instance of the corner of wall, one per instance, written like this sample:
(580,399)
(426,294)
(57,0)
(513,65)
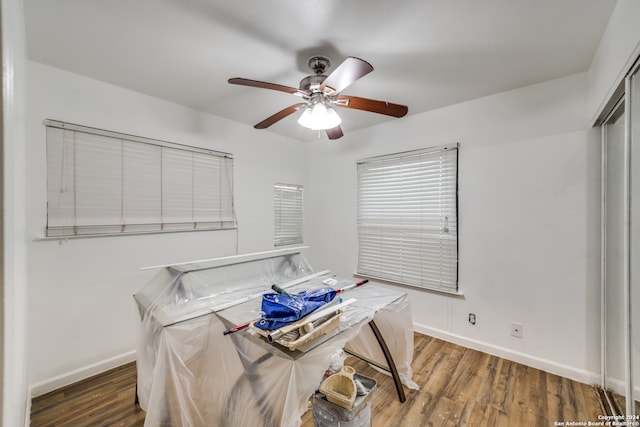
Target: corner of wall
(14,373)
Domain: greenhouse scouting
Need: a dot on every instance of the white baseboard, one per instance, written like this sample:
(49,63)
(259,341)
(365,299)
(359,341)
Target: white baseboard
(546,365)
(76,375)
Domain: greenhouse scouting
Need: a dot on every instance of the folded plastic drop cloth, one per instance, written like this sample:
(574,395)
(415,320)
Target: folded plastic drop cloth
(280,310)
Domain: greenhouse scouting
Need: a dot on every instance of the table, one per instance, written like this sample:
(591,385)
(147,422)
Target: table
(189,374)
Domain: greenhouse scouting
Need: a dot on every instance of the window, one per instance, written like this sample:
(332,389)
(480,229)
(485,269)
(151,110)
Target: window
(102,182)
(287,203)
(407,218)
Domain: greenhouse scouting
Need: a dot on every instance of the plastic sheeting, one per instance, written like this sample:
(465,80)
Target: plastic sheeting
(189,374)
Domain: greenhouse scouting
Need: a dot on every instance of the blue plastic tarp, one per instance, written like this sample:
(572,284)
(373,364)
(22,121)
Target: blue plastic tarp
(280,310)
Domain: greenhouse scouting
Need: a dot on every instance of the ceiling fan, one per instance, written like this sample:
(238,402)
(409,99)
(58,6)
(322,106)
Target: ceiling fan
(320,93)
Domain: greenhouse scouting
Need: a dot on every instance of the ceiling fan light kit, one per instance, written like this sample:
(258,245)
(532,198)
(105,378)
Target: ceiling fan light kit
(322,92)
(319,117)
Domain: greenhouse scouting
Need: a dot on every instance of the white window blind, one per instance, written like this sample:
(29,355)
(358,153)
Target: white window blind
(102,182)
(288,212)
(407,218)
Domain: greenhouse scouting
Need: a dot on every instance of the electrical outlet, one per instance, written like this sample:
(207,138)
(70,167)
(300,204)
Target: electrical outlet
(516,329)
(472,318)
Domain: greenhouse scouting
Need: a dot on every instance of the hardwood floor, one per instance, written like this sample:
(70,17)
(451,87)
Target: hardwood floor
(464,387)
(104,400)
(458,387)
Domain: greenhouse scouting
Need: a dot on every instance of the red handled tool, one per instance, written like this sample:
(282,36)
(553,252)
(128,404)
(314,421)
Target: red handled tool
(237,328)
(354,285)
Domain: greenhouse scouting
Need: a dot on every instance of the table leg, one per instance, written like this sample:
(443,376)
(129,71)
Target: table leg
(387,355)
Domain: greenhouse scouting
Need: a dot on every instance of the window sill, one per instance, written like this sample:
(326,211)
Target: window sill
(455,294)
(132,233)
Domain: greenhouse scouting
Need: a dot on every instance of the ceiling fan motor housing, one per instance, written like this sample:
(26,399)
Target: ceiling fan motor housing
(312,83)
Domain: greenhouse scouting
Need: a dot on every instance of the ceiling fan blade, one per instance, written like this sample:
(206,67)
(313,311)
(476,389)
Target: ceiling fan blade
(264,85)
(342,77)
(279,115)
(335,133)
(380,107)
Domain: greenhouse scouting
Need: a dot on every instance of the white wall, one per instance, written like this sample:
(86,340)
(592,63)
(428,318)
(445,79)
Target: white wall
(619,47)
(81,312)
(529,223)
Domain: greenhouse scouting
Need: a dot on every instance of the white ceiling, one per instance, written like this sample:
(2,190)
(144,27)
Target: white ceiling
(426,53)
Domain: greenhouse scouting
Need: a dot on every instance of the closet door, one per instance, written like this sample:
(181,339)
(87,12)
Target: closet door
(615,360)
(633,130)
